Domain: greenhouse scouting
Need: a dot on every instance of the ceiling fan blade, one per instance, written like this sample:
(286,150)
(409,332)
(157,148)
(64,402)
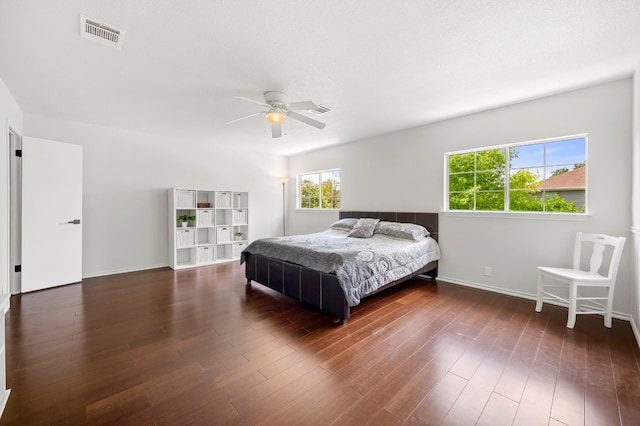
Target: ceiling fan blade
(276,130)
(307,120)
(303,105)
(252,101)
(242,118)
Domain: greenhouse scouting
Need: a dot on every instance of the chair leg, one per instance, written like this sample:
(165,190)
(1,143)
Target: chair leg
(540,292)
(573,293)
(607,315)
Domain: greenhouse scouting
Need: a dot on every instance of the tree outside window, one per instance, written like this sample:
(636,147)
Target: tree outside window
(320,190)
(546,176)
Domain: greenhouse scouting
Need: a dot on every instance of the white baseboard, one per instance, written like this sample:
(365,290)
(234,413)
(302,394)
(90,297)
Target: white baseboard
(529,296)
(123,271)
(4,397)
(636,333)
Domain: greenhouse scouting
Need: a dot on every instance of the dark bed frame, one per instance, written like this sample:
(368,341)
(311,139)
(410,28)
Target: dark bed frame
(321,290)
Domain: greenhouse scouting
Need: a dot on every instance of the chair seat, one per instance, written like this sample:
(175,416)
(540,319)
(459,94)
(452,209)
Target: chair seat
(573,274)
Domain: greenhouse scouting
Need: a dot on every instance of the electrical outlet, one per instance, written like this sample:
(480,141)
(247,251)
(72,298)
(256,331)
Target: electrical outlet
(487,271)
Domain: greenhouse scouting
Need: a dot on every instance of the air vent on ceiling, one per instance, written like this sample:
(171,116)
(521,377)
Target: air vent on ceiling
(321,109)
(99,31)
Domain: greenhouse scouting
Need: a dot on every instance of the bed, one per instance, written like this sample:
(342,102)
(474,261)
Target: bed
(318,285)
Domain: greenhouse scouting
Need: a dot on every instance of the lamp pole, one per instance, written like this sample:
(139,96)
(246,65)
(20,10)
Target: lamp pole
(284,181)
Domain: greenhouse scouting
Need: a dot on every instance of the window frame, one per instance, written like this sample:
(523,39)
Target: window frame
(320,173)
(506,211)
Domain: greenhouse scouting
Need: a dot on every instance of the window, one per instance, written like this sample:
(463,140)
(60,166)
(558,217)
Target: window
(319,190)
(544,176)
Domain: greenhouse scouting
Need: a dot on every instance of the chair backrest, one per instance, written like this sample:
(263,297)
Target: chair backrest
(600,243)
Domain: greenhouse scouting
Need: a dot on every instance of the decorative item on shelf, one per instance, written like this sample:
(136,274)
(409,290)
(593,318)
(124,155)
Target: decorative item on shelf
(204,205)
(185,219)
(238,236)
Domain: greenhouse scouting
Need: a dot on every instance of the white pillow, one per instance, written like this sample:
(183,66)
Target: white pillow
(406,231)
(364,228)
(344,224)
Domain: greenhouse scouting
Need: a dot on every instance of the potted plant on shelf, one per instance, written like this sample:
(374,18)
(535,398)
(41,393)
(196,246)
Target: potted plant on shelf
(238,235)
(185,219)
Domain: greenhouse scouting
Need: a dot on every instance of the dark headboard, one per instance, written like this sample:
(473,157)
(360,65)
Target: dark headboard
(428,220)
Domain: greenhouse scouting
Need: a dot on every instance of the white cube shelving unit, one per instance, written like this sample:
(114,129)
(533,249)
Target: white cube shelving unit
(218,231)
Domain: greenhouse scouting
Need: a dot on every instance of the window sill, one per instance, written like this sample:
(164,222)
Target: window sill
(317,210)
(573,217)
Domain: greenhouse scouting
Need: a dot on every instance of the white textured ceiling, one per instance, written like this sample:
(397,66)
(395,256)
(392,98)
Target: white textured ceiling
(382,65)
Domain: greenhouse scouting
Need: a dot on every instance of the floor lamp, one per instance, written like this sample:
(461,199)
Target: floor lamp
(284,181)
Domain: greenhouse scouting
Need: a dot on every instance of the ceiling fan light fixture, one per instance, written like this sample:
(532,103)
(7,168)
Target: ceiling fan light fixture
(277,110)
(276,117)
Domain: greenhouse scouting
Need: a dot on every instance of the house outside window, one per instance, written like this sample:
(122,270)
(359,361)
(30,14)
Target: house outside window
(543,176)
(319,190)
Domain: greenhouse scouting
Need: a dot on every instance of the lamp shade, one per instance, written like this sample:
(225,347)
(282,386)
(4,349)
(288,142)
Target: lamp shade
(284,180)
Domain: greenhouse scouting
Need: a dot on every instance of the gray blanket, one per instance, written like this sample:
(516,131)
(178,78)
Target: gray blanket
(361,265)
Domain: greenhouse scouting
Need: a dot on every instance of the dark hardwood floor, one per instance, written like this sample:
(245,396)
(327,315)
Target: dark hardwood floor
(199,347)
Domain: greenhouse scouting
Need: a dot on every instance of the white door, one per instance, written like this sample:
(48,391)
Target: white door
(51,213)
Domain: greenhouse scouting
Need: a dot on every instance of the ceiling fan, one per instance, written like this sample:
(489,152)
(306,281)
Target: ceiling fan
(278,109)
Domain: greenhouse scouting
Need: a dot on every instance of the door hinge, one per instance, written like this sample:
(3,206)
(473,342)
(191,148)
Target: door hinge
(18,268)
(18,153)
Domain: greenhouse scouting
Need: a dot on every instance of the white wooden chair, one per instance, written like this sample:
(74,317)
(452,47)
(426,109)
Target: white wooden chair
(575,278)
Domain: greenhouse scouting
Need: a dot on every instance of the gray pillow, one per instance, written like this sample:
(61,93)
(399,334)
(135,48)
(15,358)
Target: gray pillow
(405,231)
(364,228)
(344,224)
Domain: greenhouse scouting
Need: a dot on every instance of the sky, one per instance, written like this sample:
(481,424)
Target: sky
(563,153)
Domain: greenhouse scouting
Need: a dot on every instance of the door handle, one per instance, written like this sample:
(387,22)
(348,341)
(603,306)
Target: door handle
(75,221)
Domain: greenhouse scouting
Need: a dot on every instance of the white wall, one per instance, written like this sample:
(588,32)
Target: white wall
(404,171)
(634,243)
(10,117)
(126,178)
